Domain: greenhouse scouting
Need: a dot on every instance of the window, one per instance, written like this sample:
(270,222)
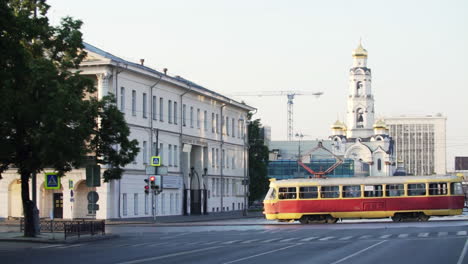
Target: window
(438,188)
(161,153)
(351,191)
(456,188)
(133,102)
(212,157)
(135,203)
(161,109)
(233,128)
(217,124)
(169,112)
(227,159)
(213,124)
(223,157)
(122,99)
(287,193)
(184,115)
(205,120)
(213,186)
(145,152)
(175,156)
(233,162)
(394,190)
(227,125)
(416,189)
(191,116)
(154,151)
(330,191)
(124,203)
(175,113)
(217,158)
(373,191)
(198,118)
(308,192)
(153,108)
(144,106)
(171,203)
(379,164)
(170,154)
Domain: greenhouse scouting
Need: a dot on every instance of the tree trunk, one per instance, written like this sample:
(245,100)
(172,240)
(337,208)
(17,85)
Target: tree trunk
(28,206)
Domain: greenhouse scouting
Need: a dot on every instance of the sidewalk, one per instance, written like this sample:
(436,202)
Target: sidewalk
(52,238)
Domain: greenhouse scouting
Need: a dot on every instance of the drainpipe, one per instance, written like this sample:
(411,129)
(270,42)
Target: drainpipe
(180,137)
(222,157)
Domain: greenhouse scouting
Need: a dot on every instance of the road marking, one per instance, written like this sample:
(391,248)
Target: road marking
(273,239)
(261,254)
(76,245)
(210,243)
(287,239)
(359,252)
(249,241)
(141,244)
(461,233)
(326,238)
(442,234)
(462,255)
(158,244)
(365,237)
(168,256)
(345,238)
(50,246)
(403,235)
(423,234)
(308,239)
(385,236)
(230,242)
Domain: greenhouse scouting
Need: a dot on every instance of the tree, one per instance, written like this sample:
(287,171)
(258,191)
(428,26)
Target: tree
(49,115)
(258,161)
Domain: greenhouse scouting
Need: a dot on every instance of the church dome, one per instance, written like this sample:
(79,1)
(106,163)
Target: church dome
(360,51)
(338,125)
(380,124)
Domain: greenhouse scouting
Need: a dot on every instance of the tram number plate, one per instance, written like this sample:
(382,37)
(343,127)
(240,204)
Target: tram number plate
(377,206)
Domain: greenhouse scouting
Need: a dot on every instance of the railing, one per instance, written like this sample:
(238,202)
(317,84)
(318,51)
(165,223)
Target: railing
(71,228)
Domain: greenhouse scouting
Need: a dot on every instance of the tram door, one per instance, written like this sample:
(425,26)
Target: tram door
(58,205)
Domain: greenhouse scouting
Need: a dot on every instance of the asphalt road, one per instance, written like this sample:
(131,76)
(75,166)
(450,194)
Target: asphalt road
(430,242)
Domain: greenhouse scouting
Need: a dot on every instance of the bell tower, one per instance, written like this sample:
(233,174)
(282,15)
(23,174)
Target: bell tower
(360,111)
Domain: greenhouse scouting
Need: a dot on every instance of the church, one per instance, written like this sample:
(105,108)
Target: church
(362,138)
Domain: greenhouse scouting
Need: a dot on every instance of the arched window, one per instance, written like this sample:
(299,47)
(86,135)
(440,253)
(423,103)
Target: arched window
(379,164)
(359,118)
(359,88)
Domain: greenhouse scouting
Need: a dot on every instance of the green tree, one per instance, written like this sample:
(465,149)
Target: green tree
(48,114)
(258,161)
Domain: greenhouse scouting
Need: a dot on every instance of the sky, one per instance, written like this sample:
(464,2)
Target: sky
(417,53)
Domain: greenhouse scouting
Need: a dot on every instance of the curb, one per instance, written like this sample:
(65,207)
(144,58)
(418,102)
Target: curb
(60,241)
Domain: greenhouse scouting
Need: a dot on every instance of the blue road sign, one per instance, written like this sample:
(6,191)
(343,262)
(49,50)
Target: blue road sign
(155,161)
(52,181)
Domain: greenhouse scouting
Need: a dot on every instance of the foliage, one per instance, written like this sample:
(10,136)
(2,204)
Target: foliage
(49,114)
(258,161)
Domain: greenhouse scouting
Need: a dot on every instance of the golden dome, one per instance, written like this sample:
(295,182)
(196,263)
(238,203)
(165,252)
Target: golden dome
(380,124)
(339,125)
(360,51)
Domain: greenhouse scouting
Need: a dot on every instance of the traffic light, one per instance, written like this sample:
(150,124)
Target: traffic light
(146,187)
(153,184)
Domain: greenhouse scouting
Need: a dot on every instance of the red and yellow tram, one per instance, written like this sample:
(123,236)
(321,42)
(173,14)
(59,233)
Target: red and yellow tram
(403,198)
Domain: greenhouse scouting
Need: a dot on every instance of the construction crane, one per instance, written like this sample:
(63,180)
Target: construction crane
(290,95)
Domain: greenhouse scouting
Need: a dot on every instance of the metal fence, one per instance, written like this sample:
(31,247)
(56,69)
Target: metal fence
(71,228)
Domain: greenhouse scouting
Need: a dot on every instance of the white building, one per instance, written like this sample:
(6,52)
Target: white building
(420,143)
(199,134)
(362,139)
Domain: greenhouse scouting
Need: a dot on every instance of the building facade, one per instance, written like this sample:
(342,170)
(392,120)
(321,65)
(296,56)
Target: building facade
(199,134)
(420,143)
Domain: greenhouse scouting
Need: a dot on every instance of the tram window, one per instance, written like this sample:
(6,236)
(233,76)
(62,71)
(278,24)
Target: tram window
(351,191)
(456,188)
(438,188)
(271,194)
(287,193)
(330,191)
(395,190)
(308,192)
(416,189)
(373,191)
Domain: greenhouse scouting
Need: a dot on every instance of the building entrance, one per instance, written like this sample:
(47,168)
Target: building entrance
(58,205)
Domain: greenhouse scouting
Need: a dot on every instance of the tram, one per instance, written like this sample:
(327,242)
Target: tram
(402,198)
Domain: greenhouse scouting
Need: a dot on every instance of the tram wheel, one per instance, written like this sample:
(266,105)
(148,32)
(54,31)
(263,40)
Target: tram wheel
(304,220)
(396,218)
(423,217)
(331,220)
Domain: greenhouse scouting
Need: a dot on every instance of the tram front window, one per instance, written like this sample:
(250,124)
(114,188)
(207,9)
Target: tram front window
(271,195)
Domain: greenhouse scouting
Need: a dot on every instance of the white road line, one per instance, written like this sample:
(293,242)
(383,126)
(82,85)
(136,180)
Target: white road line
(346,238)
(261,254)
(442,234)
(210,243)
(402,235)
(365,237)
(326,238)
(287,239)
(462,255)
(168,255)
(141,244)
(51,246)
(273,239)
(158,244)
(423,234)
(76,245)
(308,239)
(249,241)
(385,236)
(230,242)
(461,233)
(359,252)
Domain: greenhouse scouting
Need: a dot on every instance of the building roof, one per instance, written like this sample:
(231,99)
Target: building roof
(360,51)
(179,79)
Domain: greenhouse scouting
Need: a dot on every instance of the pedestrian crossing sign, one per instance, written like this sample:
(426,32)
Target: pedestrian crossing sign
(52,181)
(156,161)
